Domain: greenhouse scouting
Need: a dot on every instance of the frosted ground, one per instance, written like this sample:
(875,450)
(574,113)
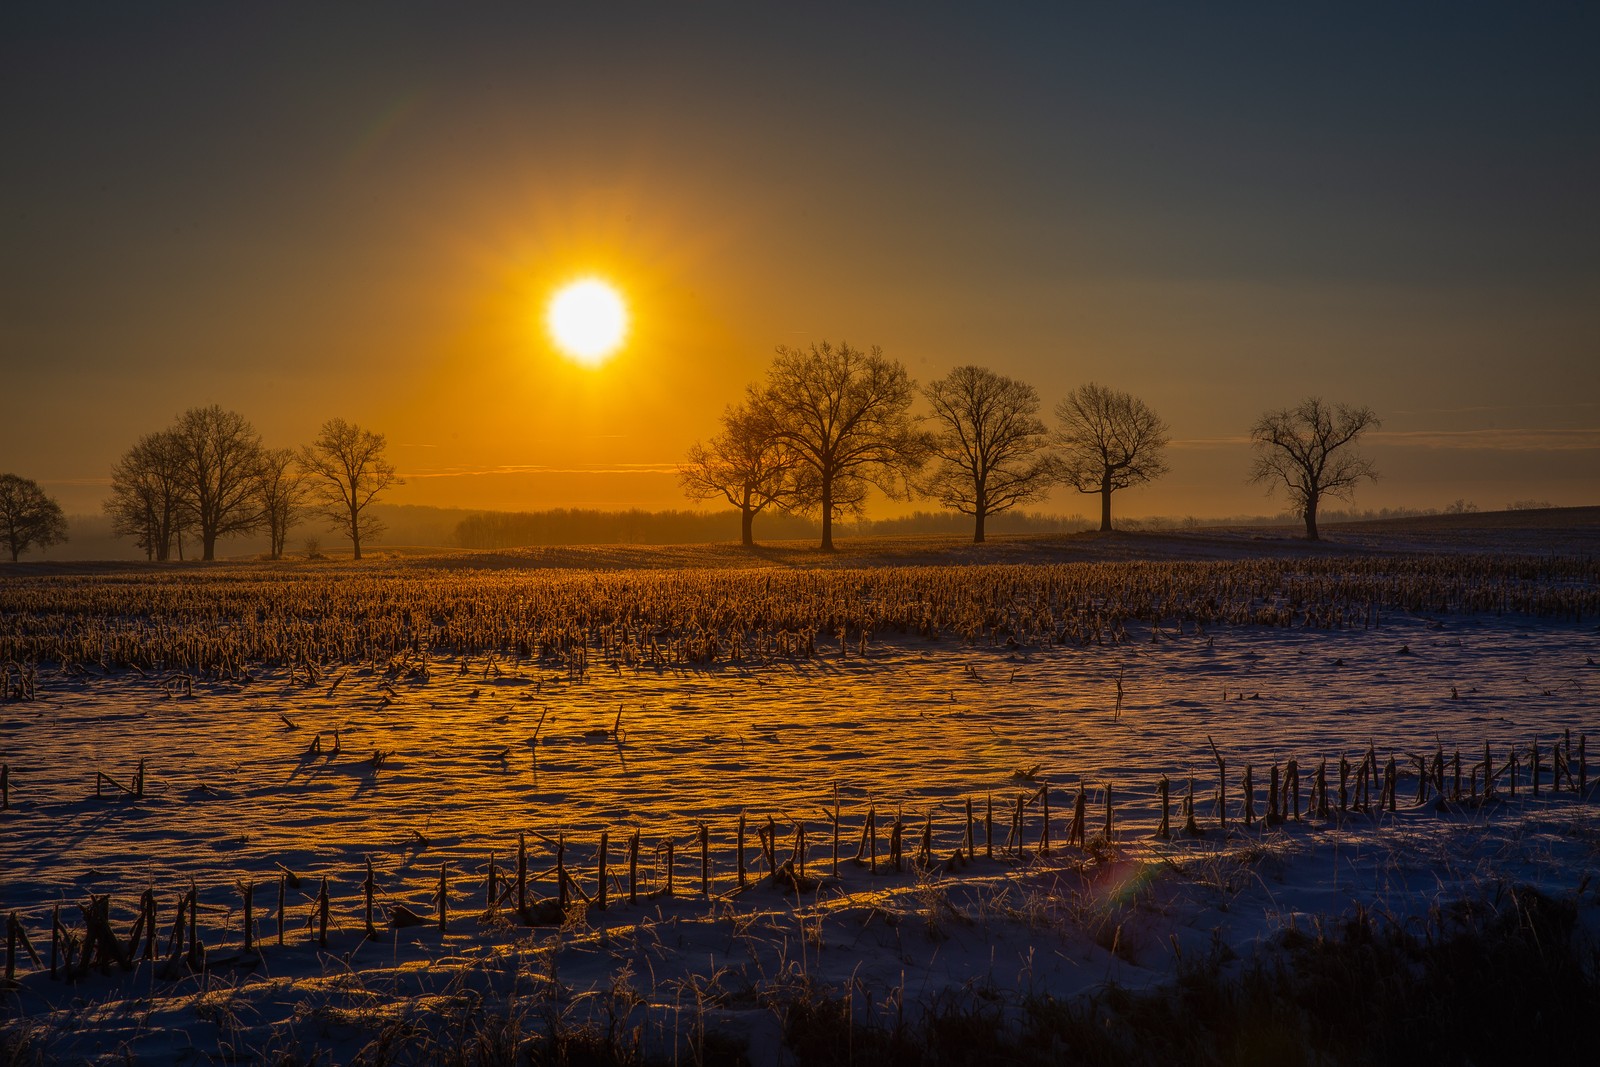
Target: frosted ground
(246,783)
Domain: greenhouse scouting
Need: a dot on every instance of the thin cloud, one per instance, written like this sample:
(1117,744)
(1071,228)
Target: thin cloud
(1581,405)
(1209,442)
(537,468)
(1502,440)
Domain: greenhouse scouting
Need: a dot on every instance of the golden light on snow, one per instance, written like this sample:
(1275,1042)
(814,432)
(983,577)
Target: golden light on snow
(588,321)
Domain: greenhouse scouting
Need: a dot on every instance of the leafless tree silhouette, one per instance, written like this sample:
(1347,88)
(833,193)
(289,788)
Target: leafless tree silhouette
(219,456)
(347,470)
(1310,450)
(1110,440)
(743,465)
(846,415)
(146,501)
(989,453)
(28,518)
(283,493)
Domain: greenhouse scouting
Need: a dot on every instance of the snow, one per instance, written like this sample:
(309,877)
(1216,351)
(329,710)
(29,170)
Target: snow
(234,793)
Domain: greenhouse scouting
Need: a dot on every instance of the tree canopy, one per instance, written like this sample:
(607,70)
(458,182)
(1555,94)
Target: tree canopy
(989,452)
(28,518)
(219,459)
(846,416)
(283,491)
(1310,450)
(146,501)
(1110,440)
(743,465)
(347,469)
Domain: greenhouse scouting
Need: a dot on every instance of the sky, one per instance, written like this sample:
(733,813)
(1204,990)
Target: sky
(307,211)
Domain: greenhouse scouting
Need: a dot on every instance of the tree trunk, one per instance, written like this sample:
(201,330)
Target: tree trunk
(1105,505)
(747,536)
(208,546)
(1311,520)
(977,532)
(827,515)
(355,532)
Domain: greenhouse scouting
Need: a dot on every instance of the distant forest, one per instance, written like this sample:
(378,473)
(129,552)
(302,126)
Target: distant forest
(565,526)
(574,526)
(420,526)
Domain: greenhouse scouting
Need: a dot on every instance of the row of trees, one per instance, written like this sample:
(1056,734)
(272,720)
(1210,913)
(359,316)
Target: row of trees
(209,475)
(828,424)
(831,421)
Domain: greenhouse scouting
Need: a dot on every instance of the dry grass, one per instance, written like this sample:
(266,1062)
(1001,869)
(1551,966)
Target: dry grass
(1518,983)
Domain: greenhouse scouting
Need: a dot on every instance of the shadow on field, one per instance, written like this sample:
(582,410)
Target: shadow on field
(1512,980)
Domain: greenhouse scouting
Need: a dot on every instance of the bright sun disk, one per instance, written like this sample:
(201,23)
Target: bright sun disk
(588,320)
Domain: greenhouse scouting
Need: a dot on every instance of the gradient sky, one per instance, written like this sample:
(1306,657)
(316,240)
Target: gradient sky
(360,210)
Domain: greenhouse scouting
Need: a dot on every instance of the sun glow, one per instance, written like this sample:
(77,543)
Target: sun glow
(588,321)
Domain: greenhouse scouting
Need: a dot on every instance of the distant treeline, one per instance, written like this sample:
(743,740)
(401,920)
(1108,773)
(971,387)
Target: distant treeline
(1334,515)
(569,526)
(418,525)
(423,526)
(582,526)
(950,522)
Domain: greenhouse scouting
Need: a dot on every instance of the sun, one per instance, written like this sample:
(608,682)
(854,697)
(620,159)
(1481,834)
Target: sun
(588,320)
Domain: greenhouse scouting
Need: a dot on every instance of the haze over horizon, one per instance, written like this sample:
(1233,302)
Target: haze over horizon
(299,212)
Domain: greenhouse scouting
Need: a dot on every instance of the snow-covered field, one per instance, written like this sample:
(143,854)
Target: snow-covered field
(254,783)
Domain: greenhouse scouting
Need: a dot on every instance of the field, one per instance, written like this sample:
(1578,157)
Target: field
(690,806)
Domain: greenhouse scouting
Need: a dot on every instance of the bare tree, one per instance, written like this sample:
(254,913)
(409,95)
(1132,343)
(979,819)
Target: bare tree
(1310,449)
(219,454)
(283,493)
(744,466)
(347,470)
(846,415)
(1110,440)
(28,518)
(989,454)
(146,500)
